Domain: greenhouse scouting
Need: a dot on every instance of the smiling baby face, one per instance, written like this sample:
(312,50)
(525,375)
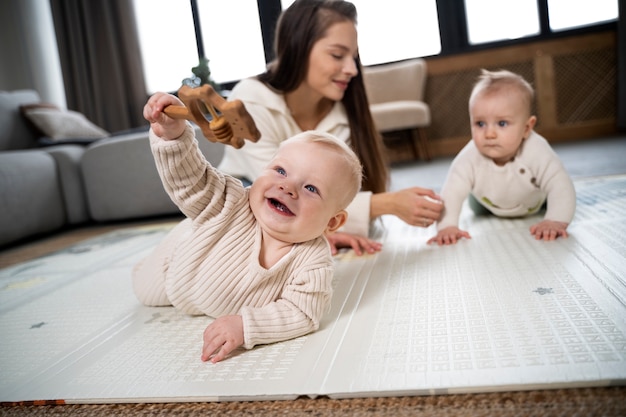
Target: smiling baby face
(304,190)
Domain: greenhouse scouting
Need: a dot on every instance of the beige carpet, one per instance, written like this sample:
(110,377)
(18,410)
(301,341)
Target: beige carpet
(583,402)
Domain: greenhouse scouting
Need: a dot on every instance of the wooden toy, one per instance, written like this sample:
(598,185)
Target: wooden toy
(231,126)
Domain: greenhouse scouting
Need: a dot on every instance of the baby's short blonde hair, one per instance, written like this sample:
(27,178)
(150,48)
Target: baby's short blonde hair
(491,81)
(353,164)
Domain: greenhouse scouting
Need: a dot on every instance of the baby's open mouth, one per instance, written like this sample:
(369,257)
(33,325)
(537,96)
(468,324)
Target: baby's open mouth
(280,206)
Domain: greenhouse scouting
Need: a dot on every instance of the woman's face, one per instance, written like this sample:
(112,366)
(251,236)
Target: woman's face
(332,61)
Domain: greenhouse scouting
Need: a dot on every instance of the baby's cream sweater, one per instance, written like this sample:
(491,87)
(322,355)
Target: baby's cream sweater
(210,263)
(518,188)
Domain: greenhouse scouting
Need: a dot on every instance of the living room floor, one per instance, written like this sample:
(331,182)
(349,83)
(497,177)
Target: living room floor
(589,158)
(604,156)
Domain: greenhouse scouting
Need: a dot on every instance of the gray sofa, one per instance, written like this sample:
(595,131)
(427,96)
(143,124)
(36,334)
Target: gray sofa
(44,189)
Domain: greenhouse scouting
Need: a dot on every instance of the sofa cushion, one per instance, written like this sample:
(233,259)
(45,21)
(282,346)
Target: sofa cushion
(121,179)
(67,158)
(58,124)
(399,115)
(15,131)
(31,202)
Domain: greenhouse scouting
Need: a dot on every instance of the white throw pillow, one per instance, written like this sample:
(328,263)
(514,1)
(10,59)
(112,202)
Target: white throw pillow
(68,124)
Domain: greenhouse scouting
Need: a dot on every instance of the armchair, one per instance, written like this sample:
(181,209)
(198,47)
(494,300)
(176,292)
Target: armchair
(396,95)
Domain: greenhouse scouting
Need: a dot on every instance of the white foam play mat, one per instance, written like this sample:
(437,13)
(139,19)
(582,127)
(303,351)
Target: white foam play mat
(499,312)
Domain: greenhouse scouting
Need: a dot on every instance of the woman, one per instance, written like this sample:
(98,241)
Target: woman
(315,82)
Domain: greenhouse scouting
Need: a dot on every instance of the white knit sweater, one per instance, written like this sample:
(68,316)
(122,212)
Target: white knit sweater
(518,188)
(209,264)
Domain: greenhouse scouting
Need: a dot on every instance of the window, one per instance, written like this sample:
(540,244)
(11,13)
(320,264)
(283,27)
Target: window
(389,30)
(169,49)
(496,20)
(569,14)
(394,30)
(168,42)
(233,46)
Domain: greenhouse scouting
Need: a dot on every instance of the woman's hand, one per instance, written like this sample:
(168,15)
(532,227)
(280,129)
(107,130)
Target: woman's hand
(162,125)
(415,206)
(359,244)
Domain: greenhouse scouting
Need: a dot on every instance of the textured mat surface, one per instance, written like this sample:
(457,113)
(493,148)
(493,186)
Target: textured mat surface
(499,312)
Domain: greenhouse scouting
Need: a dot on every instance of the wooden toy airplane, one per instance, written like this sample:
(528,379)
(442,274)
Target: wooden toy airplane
(231,127)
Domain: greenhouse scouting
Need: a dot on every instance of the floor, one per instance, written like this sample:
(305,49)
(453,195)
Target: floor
(500,313)
(582,159)
(602,156)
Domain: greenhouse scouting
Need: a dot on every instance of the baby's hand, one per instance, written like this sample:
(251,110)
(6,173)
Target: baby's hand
(359,244)
(221,337)
(548,230)
(162,125)
(449,236)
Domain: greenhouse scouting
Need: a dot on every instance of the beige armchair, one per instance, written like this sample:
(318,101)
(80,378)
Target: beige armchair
(396,95)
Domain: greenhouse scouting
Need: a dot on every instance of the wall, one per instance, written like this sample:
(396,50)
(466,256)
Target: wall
(575,80)
(29,51)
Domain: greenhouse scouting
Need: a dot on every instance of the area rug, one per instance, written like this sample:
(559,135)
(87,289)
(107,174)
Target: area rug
(498,313)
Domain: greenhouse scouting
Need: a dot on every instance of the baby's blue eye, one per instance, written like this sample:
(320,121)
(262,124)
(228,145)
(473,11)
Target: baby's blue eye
(480,124)
(281,171)
(503,123)
(311,188)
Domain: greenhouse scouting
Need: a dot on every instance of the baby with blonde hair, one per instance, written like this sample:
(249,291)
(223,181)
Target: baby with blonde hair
(507,169)
(254,258)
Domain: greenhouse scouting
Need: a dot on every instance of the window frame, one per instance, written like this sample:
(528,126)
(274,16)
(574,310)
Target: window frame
(452,27)
(455,40)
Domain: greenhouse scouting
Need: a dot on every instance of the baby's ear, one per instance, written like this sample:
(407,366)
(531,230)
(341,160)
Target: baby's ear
(530,125)
(337,221)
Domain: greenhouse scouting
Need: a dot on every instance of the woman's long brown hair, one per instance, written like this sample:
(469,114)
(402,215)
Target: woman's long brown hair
(299,27)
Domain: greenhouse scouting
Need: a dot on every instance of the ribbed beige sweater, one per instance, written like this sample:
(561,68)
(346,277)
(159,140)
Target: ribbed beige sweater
(209,263)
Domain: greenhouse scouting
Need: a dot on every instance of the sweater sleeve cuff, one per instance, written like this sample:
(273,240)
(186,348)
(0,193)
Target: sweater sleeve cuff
(248,337)
(188,134)
(358,222)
